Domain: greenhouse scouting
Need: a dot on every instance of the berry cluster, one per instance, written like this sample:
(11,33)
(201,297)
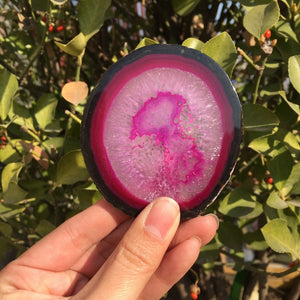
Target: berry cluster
(52,27)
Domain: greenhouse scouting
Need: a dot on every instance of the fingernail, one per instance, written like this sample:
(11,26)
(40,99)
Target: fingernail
(161,217)
(216,219)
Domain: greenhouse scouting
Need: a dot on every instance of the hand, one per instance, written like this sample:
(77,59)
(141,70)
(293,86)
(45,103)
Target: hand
(101,253)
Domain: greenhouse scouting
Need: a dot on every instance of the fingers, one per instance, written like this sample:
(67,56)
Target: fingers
(175,264)
(204,227)
(185,250)
(64,246)
(138,255)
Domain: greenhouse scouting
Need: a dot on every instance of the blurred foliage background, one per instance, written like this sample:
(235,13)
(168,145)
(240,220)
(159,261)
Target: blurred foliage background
(49,49)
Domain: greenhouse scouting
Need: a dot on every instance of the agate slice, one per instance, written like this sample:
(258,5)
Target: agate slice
(163,121)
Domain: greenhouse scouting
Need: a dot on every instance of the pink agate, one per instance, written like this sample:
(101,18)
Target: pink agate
(162,127)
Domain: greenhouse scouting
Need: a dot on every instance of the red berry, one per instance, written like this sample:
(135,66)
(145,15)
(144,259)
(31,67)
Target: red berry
(268,34)
(3,139)
(60,28)
(51,28)
(270,180)
(194,295)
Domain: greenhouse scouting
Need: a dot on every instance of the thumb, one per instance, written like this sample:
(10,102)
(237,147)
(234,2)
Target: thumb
(127,271)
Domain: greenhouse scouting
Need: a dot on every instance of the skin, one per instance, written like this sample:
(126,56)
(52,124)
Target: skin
(102,253)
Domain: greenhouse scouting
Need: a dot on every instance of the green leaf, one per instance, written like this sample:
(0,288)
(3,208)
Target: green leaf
(71,168)
(275,201)
(294,71)
(296,189)
(279,237)
(75,47)
(293,179)
(266,145)
(44,227)
(259,118)
(8,88)
(261,18)
(295,107)
(8,154)
(285,30)
(45,110)
(88,197)
(237,203)
(294,202)
(12,193)
(230,235)
(280,168)
(41,5)
(10,174)
(249,4)
(6,229)
(225,58)
(255,240)
(145,42)
(58,2)
(92,16)
(193,43)
(258,210)
(7,212)
(209,252)
(184,7)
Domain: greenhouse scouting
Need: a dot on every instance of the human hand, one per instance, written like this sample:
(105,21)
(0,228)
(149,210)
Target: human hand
(101,253)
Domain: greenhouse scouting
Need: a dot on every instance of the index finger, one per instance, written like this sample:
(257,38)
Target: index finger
(60,249)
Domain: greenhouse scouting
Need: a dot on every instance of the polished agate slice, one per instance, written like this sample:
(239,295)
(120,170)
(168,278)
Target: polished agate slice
(163,121)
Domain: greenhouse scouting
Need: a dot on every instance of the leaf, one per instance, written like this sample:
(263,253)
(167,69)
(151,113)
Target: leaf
(225,58)
(7,212)
(294,202)
(249,4)
(8,154)
(184,7)
(293,179)
(255,240)
(58,2)
(209,252)
(8,88)
(294,71)
(230,235)
(285,30)
(75,47)
(71,168)
(279,237)
(281,167)
(36,153)
(45,110)
(6,229)
(75,91)
(289,140)
(266,145)
(193,43)
(10,174)
(275,201)
(237,203)
(12,193)
(44,227)
(258,210)
(41,5)
(92,16)
(88,197)
(295,107)
(261,18)
(259,118)
(145,42)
